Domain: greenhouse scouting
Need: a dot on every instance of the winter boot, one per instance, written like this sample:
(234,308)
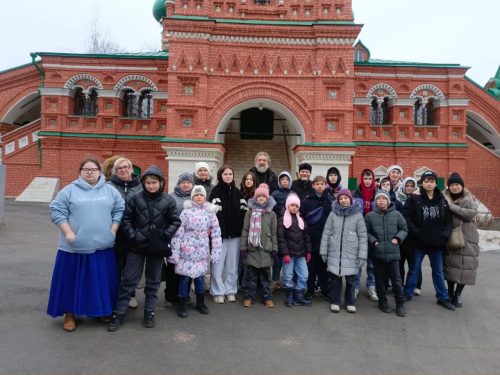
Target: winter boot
(182,308)
(200,303)
(457,299)
(116,322)
(400,308)
(289,297)
(149,319)
(299,299)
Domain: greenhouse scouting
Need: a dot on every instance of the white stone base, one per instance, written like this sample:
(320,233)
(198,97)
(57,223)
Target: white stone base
(182,159)
(41,189)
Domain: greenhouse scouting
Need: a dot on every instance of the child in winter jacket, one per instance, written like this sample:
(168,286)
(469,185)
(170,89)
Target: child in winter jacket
(386,231)
(280,195)
(258,246)
(191,248)
(344,248)
(295,249)
(149,223)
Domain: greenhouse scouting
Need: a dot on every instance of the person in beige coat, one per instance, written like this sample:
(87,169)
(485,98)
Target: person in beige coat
(461,265)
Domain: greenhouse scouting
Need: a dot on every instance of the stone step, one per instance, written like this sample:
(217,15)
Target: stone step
(41,189)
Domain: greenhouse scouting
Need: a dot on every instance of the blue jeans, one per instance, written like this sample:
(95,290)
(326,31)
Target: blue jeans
(436,260)
(299,265)
(184,283)
(370,275)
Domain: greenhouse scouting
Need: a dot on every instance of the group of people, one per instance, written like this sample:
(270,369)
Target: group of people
(305,236)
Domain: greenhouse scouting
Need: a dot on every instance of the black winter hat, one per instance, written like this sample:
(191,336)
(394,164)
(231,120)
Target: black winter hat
(427,174)
(303,166)
(455,178)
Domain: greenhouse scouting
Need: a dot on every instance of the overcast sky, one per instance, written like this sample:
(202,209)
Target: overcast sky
(435,31)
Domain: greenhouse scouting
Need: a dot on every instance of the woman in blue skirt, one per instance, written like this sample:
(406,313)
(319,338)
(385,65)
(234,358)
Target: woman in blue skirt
(88,212)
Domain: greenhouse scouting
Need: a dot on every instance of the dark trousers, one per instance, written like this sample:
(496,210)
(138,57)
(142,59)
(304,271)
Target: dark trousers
(131,277)
(276,269)
(171,283)
(407,255)
(317,269)
(121,260)
(252,277)
(383,272)
(335,289)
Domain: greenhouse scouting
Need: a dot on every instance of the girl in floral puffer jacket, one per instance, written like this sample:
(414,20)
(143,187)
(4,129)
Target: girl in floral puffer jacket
(191,250)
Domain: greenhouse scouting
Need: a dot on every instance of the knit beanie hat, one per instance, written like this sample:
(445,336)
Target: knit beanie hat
(383,193)
(262,190)
(200,165)
(345,192)
(185,177)
(306,166)
(287,217)
(455,178)
(395,166)
(198,189)
(428,174)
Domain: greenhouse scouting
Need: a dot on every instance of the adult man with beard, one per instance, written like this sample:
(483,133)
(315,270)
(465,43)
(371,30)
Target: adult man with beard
(303,186)
(264,174)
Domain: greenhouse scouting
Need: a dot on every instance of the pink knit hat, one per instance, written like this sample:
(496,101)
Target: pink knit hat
(262,190)
(287,217)
(346,192)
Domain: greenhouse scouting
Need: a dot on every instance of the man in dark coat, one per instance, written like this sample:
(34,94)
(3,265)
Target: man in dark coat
(263,172)
(303,185)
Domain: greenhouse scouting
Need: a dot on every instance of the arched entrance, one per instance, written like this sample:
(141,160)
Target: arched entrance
(479,129)
(25,111)
(259,125)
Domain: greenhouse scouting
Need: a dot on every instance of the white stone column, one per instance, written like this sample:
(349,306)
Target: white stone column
(321,161)
(182,159)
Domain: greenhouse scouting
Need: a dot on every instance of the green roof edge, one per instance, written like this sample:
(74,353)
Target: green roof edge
(161,55)
(481,87)
(409,63)
(261,22)
(364,46)
(15,68)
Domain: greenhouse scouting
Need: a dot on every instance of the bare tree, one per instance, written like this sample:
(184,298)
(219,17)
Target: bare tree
(98,42)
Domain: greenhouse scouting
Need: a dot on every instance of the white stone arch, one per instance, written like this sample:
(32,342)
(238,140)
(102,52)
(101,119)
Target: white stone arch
(483,132)
(27,103)
(383,86)
(70,83)
(438,94)
(135,77)
(380,171)
(292,121)
(121,92)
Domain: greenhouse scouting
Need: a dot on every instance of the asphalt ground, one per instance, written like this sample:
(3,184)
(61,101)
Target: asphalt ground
(233,339)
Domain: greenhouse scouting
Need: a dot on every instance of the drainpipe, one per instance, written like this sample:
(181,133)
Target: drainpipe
(34,55)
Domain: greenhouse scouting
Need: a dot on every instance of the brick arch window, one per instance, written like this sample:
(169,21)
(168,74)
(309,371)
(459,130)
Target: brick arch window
(85,102)
(137,104)
(425,111)
(379,111)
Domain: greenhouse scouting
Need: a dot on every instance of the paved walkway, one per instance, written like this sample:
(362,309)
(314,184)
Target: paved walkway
(233,339)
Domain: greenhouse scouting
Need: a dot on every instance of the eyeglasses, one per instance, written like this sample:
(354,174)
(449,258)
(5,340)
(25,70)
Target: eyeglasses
(90,170)
(122,168)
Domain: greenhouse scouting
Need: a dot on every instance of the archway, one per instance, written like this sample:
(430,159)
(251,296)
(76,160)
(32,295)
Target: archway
(282,134)
(26,110)
(483,132)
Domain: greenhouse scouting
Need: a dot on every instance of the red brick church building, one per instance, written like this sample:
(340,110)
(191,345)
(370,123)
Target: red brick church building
(238,76)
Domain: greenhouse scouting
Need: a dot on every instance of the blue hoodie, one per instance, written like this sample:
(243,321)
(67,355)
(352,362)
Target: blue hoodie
(90,211)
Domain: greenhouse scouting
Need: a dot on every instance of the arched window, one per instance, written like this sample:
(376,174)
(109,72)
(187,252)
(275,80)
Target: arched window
(85,102)
(129,103)
(145,105)
(425,111)
(359,55)
(379,112)
(138,105)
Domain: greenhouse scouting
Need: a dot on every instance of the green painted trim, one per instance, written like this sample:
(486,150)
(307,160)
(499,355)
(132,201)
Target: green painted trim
(161,55)
(407,63)
(412,144)
(261,22)
(102,136)
(328,144)
(125,136)
(481,88)
(187,140)
(15,68)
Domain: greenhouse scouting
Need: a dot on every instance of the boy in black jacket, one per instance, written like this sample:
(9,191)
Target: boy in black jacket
(149,223)
(429,224)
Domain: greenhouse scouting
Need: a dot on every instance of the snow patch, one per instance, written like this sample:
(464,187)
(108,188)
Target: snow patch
(489,240)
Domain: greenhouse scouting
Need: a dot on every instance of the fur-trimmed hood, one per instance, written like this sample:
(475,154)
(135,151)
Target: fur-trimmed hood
(252,203)
(353,209)
(205,206)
